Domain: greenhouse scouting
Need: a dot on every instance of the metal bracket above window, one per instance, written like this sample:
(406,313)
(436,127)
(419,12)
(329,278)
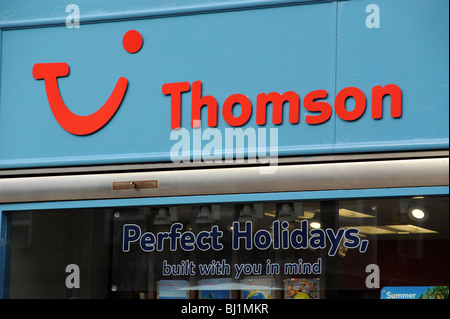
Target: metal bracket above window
(135,185)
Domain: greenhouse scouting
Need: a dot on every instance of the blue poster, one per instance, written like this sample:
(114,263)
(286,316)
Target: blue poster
(415,292)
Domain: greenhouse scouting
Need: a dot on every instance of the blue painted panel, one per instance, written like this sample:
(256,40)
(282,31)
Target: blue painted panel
(301,47)
(409,49)
(247,52)
(21,13)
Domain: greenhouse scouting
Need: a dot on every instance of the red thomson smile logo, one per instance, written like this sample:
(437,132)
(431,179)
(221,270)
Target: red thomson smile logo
(77,124)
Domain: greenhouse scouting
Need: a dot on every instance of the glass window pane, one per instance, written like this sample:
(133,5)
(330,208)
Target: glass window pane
(279,250)
(44,243)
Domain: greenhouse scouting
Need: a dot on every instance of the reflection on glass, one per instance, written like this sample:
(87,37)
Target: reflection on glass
(276,250)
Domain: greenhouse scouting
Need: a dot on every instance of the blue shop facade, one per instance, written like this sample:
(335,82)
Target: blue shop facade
(219,149)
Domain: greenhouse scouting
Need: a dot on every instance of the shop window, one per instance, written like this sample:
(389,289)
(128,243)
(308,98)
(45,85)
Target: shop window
(328,249)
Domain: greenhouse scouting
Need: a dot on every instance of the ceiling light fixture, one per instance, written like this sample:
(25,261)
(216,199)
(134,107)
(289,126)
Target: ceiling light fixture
(246,214)
(315,225)
(416,210)
(162,218)
(286,213)
(204,216)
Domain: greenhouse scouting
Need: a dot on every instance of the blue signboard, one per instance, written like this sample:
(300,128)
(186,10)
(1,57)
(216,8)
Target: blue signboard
(268,79)
(415,292)
(402,42)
